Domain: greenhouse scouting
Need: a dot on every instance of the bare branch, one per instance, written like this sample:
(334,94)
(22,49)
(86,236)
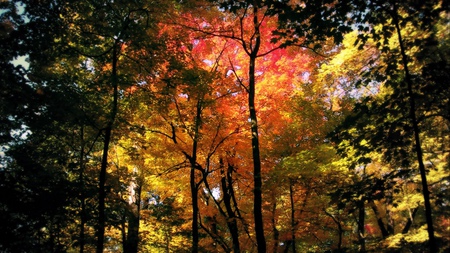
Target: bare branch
(174,168)
(237,76)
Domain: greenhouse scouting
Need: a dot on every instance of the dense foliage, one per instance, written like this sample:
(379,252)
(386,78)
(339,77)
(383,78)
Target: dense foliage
(224,126)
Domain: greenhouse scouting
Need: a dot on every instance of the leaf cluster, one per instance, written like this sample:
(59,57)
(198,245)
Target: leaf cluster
(310,23)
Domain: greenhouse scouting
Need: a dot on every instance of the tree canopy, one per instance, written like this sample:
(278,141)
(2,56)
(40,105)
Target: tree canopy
(224,126)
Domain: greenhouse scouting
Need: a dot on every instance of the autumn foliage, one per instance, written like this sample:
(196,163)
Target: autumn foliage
(224,126)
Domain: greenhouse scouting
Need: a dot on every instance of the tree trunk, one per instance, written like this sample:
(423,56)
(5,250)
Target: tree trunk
(384,232)
(410,221)
(123,230)
(132,241)
(340,229)
(82,196)
(193,183)
(361,232)
(257,203)
(226,182)
(275,232)
(102,192)
(418,148)
(194,197)
(293,223)
(82,222)
(106,142)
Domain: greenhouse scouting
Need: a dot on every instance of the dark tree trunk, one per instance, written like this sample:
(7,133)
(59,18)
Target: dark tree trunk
(415,125)
(227,182)
(275,232)
(340,229)
(82,196)
(102,192)
(384,232)
(293,222)
(287,246)
(212,231)
(361,222)
(106,142)
(410,220)
(82,222)
(257,203)
(193,183)
(194,197)
(123,230)
(132,241)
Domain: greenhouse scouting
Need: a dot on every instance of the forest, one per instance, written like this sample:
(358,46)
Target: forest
(224,126)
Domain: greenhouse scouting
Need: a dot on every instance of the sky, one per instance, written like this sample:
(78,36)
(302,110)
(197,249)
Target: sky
(22,60)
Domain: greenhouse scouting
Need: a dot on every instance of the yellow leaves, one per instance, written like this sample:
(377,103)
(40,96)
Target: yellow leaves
(415,237)
(409,201)
(309,163)
(340,65)
(160,236)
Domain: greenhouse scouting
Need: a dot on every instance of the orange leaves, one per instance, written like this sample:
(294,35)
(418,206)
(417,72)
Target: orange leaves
(204,107)
(107,67)
(222,45)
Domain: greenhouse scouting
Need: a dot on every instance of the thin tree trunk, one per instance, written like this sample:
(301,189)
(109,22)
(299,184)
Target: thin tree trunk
(102,192)
(236,244)
(238,213)
(418,148)
(194,198)
(82,222)
(226,182)
(106,142)
(276,233)
(287,246)
(340,229)
(123,230)
(257,203)
(82,196)
(193,184)
(410,220)
(293,223)
(384,232)
(361,232)
(213,232)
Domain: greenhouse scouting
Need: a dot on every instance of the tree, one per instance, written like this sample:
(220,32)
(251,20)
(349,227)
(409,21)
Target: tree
(390,23)
(113,43)
(188,116)
(38,135)
(201,125)
(83,49)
